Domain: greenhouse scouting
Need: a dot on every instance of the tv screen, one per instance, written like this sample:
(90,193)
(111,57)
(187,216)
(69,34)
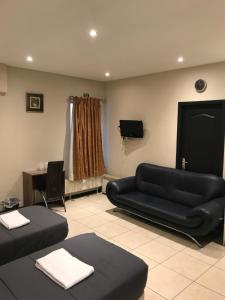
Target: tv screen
(131,128)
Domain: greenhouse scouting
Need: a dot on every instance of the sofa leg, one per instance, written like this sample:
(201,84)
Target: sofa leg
(117,209)
(194,240)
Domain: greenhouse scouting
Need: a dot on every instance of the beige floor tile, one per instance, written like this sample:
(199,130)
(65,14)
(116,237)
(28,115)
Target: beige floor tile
(131,239)
(146,231)
(69,203)
(101,208)
(186,265)
(111,229)
(76,228)
(108,204)
(207,254)
(179,238)
(93,221)
(150,262)
(217,246)
(132,218)
(198,292)
(116,212)
(104,237)
(156,251)
(83,199)
(166,282)
(125,223)
(102,201)
(171,243)
(221,264)
(76,213)
(99,198)
(150,295)
(121,246)
(214,279)
(92,207)
(159,230)
(109,216)
(73,203)
(80,202)
(213,246)
(95,209)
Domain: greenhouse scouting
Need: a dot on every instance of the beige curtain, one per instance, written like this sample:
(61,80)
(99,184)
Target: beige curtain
(87,147)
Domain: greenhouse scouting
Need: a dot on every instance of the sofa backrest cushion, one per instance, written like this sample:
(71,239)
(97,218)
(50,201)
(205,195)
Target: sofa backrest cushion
(188,188)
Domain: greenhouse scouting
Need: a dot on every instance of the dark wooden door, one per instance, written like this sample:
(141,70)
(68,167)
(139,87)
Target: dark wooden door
(200,136)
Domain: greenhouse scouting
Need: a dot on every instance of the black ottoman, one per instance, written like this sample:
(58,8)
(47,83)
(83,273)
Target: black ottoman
(45,229)
(119,275)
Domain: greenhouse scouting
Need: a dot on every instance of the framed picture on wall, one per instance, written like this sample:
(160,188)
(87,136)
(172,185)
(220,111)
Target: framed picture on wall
(34,102)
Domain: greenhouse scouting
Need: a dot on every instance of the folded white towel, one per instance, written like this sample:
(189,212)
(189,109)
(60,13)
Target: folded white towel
(63,268)
(13,220)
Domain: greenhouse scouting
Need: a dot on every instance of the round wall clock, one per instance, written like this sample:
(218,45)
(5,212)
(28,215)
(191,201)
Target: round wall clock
(200,85)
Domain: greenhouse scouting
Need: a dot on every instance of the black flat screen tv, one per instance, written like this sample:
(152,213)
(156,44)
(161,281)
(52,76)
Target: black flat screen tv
(131,129)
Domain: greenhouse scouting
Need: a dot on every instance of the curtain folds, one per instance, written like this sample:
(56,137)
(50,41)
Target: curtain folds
(68,146)
(87,145)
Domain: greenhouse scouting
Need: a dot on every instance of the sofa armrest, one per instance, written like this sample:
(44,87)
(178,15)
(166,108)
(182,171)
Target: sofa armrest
(214,207)
(123,185)
(211,213)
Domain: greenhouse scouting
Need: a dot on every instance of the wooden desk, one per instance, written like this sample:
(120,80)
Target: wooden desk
(32,180)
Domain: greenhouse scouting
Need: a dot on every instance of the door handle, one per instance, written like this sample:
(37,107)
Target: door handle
(184,163)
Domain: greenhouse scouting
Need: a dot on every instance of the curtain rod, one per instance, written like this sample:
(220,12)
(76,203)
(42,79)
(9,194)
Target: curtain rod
(72,98)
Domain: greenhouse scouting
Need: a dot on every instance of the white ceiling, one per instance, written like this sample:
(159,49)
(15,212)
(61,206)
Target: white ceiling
(135,37)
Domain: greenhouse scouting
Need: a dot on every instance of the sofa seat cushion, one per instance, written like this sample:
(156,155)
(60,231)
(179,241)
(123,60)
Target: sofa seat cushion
(162,208)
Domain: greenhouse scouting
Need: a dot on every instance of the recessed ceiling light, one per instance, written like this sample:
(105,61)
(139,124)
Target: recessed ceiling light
(107,74)
(29,58)
(180,59)
(93,33)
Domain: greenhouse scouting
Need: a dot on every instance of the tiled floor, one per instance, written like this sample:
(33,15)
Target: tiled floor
(177,268)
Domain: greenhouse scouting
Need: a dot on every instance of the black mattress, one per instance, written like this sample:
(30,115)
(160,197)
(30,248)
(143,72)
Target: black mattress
(119,275)
(45,229)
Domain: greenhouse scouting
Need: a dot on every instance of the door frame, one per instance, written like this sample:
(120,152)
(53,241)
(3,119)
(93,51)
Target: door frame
(181,106)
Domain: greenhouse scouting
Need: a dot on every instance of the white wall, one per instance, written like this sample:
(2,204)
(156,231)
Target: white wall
(26,139)
(3,79)
(153,99)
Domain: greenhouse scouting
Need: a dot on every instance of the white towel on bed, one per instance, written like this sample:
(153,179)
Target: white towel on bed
(13,220)
(63,268)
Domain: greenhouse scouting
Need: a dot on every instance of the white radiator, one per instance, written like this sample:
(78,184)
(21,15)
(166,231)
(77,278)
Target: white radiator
(77,186)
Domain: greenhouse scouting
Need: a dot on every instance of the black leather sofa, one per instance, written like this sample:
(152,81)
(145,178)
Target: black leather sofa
(190,203)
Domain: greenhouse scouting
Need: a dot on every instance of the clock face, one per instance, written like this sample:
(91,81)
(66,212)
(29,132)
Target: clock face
(200,85)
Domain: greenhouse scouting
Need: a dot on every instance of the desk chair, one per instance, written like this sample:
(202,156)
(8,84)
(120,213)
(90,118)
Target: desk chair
(55,184)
